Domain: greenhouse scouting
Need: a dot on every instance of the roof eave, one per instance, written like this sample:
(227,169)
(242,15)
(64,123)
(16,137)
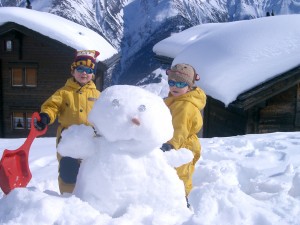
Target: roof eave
(261,92)
(164,59)
(267,89)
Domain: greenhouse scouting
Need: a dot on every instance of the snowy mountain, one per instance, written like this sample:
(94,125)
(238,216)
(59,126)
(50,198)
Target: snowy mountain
(134,26)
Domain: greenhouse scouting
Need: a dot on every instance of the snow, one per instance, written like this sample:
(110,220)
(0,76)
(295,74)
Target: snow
(41,5)
(250,179)
(125,179)
(234,57)
(58,28)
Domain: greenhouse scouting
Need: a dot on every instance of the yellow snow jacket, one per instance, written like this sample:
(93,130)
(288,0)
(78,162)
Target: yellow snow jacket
(71,104)
(187,122)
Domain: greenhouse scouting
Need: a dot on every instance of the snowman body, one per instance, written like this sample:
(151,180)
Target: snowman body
(124,167)
(122,180)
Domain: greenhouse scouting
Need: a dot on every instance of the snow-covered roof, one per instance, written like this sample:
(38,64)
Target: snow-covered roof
(234,57)
(58,28)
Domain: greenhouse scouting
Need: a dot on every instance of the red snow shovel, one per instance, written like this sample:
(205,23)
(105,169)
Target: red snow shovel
(14,168)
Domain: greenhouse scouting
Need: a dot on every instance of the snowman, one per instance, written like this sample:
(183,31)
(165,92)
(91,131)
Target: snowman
(122,165)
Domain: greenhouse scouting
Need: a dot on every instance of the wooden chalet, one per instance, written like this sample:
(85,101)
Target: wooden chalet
(273,106)
(32,67)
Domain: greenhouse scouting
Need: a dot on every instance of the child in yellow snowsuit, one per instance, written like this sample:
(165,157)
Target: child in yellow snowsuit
(185,102)
(71,104)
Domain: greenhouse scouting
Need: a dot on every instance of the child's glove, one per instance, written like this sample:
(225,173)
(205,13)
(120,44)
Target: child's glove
(43,122)
(166,147)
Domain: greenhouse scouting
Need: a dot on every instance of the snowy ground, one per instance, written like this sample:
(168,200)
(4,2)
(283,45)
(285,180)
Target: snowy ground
(251,179)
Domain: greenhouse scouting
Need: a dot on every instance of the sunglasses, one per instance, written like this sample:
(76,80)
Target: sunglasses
(81,69)
(178,84)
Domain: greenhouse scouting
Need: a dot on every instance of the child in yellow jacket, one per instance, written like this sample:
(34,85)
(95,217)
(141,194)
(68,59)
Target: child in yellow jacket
(71,104)
(185,102)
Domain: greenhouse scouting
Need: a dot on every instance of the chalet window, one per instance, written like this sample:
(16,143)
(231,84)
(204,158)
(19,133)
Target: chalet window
(31,77)
(24,76)
(17,76)
(21,120)
(8,45)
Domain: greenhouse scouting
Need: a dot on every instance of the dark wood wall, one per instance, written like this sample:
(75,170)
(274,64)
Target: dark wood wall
(280,113)
(1,101)
(53,61)
(221,121)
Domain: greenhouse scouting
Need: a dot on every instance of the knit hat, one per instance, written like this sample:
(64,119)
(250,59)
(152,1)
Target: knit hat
(183,73)
(85,58)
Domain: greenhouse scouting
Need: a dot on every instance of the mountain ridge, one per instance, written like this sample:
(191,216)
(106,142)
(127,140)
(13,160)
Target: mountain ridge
(134,26)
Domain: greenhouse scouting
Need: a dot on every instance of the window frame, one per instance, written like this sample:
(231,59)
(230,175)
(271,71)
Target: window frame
(8,45)
(25,78)
(24,117)
(25,68)
(13,77)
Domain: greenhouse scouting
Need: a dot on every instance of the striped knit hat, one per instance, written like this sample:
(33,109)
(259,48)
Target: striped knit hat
(85,58)
(183,73)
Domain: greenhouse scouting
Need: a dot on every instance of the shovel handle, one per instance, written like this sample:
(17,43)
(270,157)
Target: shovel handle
(33,129)
(34,132)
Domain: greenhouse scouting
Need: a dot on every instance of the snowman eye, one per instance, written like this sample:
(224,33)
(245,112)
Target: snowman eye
(115,103)
(142,108)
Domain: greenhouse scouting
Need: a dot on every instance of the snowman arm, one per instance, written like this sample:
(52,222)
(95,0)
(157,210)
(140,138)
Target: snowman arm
(177,158)
(77,142)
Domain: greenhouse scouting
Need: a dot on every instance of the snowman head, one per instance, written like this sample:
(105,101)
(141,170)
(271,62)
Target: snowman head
(133,117)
